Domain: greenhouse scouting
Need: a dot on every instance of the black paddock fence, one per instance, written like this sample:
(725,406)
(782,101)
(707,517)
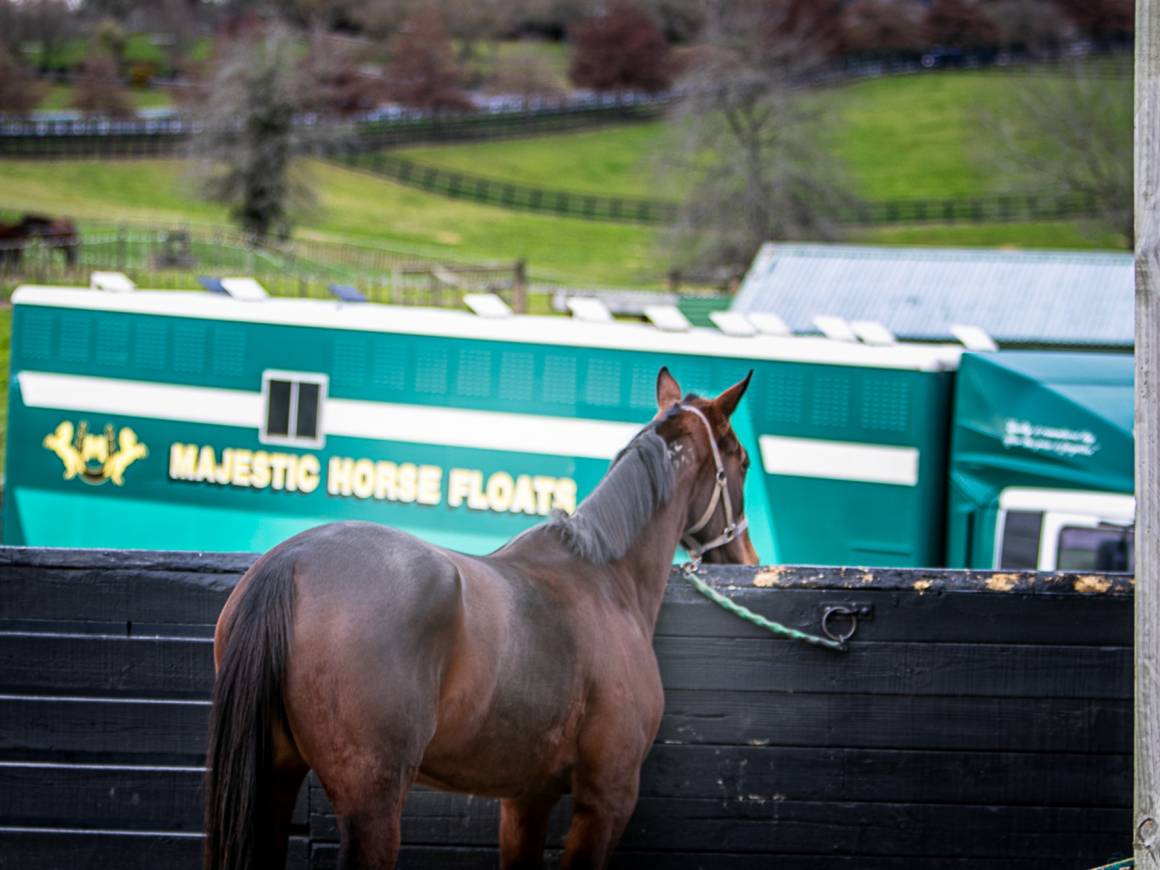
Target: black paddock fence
(503,193)
(978,720)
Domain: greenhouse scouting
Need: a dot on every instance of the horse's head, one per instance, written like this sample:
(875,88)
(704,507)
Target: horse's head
(712,463)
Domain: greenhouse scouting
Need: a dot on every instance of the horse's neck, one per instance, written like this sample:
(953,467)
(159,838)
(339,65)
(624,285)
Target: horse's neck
(644,571)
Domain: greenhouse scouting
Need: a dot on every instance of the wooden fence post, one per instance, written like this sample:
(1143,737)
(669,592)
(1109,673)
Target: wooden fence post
(520,286)
(1146,833)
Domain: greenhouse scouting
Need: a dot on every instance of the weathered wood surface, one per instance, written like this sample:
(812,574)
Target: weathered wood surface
(1146,825)
(978,720)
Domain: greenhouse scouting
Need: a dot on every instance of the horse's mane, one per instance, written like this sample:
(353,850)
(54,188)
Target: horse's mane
(640,480)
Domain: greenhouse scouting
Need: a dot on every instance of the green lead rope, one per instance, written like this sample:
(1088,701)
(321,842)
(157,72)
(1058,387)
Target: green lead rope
(690,572)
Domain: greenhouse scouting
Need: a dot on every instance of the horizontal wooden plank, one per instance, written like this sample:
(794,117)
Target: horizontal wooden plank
(101,665)
(174,731)
(778,665)
(910,615)
(112,593)
(897,721)
(779,576)
(108,797)
(774,775)
(201,562)
(55,849)
(182,667)
(130,601)
(325,857)
(786,827)
(924,579)
(110,729)
(895,776)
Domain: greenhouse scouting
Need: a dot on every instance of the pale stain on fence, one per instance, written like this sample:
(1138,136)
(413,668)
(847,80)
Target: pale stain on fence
(1092,583)
(1002,582)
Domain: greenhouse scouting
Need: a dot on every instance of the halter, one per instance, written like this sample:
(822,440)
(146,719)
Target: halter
(720,494)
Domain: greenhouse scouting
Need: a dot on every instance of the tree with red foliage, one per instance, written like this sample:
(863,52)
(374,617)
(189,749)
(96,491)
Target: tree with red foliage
(962,24)
(1103,20)
(339,84)
(623,49)
(423,73)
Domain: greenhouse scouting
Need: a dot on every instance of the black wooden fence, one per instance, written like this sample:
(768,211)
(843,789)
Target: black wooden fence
(160,257)
(509,194)
(99,138)
(978,721)
(994,208)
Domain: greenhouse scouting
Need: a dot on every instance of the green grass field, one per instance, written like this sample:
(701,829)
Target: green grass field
(901,137)
(615,161)
(919,136)
(353,206)
(60,97)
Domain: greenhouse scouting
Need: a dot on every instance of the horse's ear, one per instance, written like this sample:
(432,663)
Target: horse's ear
(728,400)
(668,390)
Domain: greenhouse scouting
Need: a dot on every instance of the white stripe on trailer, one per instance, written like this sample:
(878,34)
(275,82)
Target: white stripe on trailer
(839,460)
(480,430)
(213,405)
(379,421)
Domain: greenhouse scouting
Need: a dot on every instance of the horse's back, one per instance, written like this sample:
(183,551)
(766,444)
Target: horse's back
(371,569)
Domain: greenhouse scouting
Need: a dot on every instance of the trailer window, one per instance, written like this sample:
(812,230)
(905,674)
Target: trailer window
(1102,548)
(1019,547)
(293,408)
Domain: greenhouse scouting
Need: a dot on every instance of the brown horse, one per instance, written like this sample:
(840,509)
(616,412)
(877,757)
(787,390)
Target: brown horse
(378,660)
(56,233)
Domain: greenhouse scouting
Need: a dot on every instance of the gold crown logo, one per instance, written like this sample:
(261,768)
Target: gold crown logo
(95,458)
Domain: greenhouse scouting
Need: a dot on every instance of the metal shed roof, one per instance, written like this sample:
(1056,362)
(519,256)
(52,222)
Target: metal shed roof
(1025,297)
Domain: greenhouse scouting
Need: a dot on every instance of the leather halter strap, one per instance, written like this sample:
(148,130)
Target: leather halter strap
(720,495)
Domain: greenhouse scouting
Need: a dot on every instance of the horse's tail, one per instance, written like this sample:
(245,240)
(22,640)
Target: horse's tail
(247,708)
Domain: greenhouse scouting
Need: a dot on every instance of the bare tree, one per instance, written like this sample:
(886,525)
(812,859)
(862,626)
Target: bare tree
(98,89)
(1072,133)
(753,159)
(178,23)
(44,26)
(527,74)
(20,92)
(1030,27)
(247,141)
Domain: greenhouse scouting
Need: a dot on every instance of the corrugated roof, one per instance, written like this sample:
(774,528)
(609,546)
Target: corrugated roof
(1026,297)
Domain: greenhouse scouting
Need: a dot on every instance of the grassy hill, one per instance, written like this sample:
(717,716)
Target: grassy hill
(917,136)
(902,137)
(353,206)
